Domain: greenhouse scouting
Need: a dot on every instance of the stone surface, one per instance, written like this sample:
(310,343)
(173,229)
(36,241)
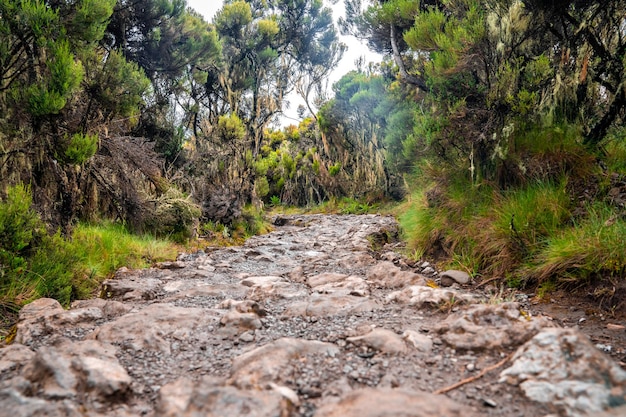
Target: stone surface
(485,326)
(381,340)
(186,398)
(386,402)
(266,363)
(418,295)
(331,305)
(387,275)
(563,368)
(452,276)
(166,321)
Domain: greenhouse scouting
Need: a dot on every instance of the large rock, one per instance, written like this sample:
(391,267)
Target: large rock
(186,398)
(267,363)
(418,295)
(155,326)
(488,326)
(561,367)
(331,305)
(68,370)
(387,275)
(387,402)
(32,320)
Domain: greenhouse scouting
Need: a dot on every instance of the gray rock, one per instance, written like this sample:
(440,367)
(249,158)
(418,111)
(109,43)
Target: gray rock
(419,295)
(418,340)
(31,325)
(14,356)
(151,327)
(486,326)
(63,370)
(561,367)
(451,276)
(331,305)
(15,404)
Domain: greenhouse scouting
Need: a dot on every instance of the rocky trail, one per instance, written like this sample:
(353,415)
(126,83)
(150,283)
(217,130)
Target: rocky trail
(305,321)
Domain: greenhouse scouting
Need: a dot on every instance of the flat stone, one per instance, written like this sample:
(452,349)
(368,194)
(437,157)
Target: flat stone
(331,305)
(268,362)
(151,327)
(387,275)
(419,295)
(386,402)
(186,398)
(382,340)
(488,326)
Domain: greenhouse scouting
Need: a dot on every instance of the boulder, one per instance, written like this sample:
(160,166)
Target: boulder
(387,275)
(561,367)
(267,363)
(186,398)
(488,326)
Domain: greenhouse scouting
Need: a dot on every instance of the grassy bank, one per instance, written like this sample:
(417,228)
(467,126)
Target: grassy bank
(564,230)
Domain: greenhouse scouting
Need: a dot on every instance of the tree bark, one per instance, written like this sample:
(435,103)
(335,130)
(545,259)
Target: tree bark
(397,57)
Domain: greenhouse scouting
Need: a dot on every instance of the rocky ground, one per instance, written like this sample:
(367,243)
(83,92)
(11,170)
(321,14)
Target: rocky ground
(310,321)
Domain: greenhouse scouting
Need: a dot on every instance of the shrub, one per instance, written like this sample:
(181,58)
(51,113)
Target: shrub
(81,147)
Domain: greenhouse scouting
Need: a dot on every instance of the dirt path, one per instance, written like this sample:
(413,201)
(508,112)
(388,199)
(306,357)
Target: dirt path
(305,321)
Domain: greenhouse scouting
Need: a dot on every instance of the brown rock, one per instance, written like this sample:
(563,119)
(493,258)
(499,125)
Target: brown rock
(266,363)
(186,398)
(382,340)
(386,402)
(387,275)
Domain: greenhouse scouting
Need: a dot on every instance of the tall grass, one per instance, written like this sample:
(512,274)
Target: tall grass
(34,264)
(593,248)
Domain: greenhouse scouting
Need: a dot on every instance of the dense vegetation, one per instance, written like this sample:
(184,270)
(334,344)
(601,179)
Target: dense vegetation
(499,121)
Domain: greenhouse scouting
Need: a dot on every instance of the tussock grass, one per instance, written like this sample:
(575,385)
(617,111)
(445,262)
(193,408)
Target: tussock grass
(593,248)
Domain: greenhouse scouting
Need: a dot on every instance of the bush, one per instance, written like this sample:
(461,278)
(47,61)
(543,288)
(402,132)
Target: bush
(176,216)
(80,148)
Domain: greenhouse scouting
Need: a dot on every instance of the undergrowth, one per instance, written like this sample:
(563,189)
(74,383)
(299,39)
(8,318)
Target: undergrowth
(541,231)
(35,264)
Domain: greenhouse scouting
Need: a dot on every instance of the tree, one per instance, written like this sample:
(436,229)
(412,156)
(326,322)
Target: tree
(268,48)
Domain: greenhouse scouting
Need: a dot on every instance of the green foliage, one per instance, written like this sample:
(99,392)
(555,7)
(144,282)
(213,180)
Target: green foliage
(80,148)
(230,128)
(275,201)
(19,223)
(34,264)
(591,248)
(529,215)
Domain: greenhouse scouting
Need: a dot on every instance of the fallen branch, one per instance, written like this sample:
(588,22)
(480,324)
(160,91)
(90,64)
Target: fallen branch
(475,377)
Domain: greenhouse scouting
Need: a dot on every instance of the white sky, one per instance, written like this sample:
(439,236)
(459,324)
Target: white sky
(355,49)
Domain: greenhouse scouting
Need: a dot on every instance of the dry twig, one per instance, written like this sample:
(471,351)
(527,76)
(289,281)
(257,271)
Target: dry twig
(474,377)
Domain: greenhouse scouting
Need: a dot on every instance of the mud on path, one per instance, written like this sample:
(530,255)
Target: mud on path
(306,321)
